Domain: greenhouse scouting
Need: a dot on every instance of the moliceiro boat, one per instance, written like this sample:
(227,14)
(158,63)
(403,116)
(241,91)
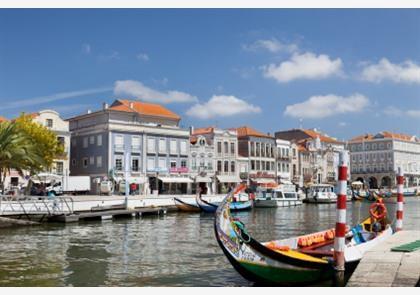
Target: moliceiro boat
(284,195)
(241,202)
(186,207)
(301,260)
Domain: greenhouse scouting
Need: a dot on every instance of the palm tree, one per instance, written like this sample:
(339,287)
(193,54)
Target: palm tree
(17,152)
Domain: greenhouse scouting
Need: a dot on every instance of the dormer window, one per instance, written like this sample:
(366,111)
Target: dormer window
(202,142)
(49,123)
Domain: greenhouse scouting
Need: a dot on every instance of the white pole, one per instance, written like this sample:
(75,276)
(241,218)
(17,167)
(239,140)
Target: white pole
(126,170)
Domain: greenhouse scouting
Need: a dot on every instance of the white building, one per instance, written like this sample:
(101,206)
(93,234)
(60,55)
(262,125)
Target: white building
(52,120)
(376,158)
(220,169)
(283,160)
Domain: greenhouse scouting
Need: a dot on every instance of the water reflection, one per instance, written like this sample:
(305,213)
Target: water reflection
(178,249)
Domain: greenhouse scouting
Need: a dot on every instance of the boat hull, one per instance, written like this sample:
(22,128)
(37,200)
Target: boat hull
(186,207)
(273,203)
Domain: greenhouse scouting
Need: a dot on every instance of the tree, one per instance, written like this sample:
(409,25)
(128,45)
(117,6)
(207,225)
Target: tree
(26,146)
(45,140)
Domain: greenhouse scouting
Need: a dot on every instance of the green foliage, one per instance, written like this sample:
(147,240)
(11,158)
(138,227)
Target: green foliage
(26,146)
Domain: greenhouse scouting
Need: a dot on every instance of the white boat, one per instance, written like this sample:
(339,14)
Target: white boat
(320,194)
(284,195)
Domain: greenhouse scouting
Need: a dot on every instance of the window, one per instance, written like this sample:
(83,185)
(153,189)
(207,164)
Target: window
(183,147)
(173,163)
(374,146)
(272,166)
(210,164)
(278,167)
(258,165)
(91,160)
(172,146)
(59,168)
(219,166)
(119,142)
(150,163)
(162,145)
(287,167)
(73,142)
(151,145)
(118,164)
(91,139)
(262,150)
(257,147)
(283,167)
(226,166)
(232,166)
(162,163)
(85,142)
(184,163)
(49,123)
(99,161)
(219,147)
(202,163)
(99,140)
(135,164)
(252,149)
(61,140)
(232,148)
(226,145)
(367,146)
(135,143)
(73,162)
(85,162)
(252,165)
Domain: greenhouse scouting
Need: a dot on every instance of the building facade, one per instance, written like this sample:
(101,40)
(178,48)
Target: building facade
(283,160)
(260,150)
(376,158)
(215,153)
(51,120)
(139,138)
(318,154)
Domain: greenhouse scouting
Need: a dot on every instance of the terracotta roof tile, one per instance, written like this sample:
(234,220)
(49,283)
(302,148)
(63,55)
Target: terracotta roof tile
(384,134)
(361,138)
(248,131)
(143,108)
(204,130)
(314,134)
(399,136)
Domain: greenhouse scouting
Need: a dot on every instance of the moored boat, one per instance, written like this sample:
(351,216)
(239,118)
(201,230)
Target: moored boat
(186,207)
(320,194)
(300,260)
(243,202)
(284,195)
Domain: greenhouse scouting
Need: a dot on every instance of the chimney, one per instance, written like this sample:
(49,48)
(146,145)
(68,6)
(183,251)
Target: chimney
(131,105)
(105,106)
(191,129)
(89,111)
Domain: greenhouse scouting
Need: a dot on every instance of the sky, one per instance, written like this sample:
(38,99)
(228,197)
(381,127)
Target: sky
(345,72)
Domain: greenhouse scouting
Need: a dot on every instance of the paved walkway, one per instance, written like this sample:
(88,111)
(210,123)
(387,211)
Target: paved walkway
(380,267)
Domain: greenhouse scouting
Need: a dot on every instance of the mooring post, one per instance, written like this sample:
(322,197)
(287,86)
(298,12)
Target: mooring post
(400,199)
(340,225)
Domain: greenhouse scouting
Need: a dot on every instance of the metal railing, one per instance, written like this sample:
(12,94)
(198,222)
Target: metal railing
(34,205)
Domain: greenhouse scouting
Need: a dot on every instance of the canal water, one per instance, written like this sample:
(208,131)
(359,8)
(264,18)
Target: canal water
(178,249)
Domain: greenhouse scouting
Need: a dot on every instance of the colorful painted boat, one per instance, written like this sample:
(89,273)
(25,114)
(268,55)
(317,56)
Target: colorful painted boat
(186,207)
(212,207)
(301,260)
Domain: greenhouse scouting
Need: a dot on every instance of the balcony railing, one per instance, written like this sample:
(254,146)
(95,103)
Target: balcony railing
(118,147)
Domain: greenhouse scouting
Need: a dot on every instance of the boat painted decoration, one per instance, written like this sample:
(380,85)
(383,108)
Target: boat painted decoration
(301,260)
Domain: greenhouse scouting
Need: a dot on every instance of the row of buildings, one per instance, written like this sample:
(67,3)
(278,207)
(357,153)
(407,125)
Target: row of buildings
(146,141)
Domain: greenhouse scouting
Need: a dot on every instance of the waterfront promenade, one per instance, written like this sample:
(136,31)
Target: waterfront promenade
(381,267)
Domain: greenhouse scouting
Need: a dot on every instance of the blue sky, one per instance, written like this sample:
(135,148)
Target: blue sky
(344,71)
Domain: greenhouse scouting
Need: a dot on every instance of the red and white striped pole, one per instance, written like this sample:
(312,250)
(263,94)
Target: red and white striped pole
(340,225)
(400,199)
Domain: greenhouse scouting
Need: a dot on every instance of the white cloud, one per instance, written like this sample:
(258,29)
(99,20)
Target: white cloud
(138,90)
(272,45)
(406,72)
(111,56)
(318,107)
(222,106)
(142,57)
(53,97)
(304,66)
(86,48)
(396,112)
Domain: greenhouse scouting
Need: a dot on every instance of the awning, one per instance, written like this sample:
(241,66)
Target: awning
(175,179)
(228,178)
(263,180)
(202,179)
